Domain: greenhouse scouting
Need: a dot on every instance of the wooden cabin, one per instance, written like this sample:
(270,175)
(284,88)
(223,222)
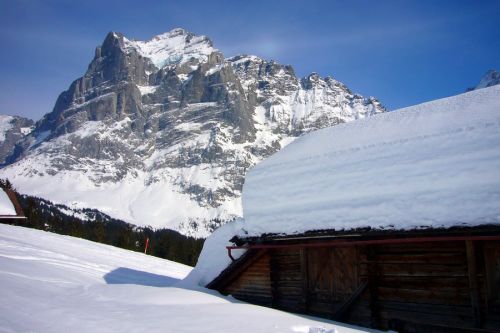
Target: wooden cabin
(440,281)
(391,222)
(10,209)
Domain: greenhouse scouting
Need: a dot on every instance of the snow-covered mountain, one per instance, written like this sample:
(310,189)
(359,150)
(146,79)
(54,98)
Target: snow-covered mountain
(12,129)
(162,132)
(489,79)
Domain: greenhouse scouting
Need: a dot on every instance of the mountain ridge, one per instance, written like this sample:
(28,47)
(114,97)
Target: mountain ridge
(489,79)
(162,132)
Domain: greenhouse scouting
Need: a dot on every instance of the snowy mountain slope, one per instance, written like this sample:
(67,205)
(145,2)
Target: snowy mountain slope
(491,78)
(54,283)
(162,132)
(436,164)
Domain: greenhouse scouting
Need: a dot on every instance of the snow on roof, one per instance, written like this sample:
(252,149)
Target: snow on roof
(435,164)
(6,206)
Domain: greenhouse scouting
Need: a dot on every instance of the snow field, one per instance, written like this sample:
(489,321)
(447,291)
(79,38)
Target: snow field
(54,283)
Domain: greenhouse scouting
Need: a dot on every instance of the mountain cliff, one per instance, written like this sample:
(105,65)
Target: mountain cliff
(162,132)
(12,130)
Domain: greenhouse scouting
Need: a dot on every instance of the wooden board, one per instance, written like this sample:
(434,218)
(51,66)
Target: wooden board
(253,284)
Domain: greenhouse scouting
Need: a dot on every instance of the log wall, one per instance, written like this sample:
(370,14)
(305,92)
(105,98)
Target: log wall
(254,283)
(416,287)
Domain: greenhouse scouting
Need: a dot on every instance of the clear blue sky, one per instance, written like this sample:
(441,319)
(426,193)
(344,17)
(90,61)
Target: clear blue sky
(403,52)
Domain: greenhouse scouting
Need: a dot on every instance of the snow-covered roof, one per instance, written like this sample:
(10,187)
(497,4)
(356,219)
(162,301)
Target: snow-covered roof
(435,164)
(6,206)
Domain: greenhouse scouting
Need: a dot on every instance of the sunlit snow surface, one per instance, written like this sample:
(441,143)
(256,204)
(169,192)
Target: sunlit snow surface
(54,283)
(435,164)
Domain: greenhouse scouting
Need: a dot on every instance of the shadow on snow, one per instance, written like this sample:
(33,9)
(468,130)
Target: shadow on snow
(124,275)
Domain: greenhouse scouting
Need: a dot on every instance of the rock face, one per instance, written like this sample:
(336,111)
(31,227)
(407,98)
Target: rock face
(12,130)
(162,132)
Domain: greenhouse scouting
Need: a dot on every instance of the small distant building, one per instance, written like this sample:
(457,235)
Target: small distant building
(10,209)
(389,223)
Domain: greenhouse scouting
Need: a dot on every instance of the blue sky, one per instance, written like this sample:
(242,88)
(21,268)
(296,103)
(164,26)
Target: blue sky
(403,52)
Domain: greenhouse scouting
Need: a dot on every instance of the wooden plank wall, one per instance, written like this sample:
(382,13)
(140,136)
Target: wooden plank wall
(419,287)
(332,278)
(424,287)
(491,253)
(254,284)
(411,284)
(286,280)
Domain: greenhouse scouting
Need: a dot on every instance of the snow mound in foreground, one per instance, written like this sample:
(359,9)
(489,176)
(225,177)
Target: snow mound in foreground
(435,164)
(54,283)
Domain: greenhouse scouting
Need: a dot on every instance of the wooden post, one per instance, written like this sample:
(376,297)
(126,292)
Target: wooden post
(273,277)
(304,267)
(473,288)
(373,286)
(146,246)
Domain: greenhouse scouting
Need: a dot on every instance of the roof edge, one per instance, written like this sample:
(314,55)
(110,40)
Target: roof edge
(369,233)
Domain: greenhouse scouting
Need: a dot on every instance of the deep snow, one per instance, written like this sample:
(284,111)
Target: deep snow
(435,164)
(54,283)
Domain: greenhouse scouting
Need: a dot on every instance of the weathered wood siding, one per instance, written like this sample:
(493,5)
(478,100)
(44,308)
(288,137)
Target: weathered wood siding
(491,253)
(331,279)
(286,280)
(254,283)
(418,287)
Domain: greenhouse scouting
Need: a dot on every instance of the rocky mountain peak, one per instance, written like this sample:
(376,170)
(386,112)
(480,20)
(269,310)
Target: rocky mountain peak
(162,132)
(490,78)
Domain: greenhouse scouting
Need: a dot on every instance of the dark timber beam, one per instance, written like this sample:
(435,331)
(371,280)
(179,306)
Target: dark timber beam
(373,283)
(473,288)
(304,271)
(343,243)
